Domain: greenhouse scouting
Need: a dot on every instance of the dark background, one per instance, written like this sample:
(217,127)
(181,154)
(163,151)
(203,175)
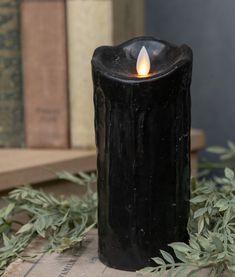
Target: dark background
(208,27)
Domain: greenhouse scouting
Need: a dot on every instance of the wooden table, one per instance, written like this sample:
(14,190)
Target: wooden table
(81,262)
(31,166)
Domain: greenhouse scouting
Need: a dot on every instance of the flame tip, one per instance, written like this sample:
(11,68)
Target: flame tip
(143,62)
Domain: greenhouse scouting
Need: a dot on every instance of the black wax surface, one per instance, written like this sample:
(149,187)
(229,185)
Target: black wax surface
(120,61)
(143,143)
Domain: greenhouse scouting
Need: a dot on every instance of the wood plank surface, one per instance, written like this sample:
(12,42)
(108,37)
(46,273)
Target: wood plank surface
(198,140)
(23,166)
(80,262)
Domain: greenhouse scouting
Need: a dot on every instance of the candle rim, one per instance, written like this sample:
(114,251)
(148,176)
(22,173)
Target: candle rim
(184,57)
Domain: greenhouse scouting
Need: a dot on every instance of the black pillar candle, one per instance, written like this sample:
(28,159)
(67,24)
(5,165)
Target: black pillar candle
(142,128)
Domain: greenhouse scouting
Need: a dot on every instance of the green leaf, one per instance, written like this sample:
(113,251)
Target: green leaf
(159,261)
(221,256)
(204,242)
(227,156)
(181,256)
(231,145)
(229,173)
(218,243)
(199,199)
(200,212)
(180,246)
(217,150)
(9,209)
(227,217)
(231,268)
(75,179)
(6,240)
(25,228)
(148,269)
(85,176)
(200,224)
(193,243)
(207,219)
(167,257)
(222,204)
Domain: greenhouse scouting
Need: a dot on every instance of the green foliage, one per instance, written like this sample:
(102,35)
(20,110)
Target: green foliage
(226,157)
(225,153)
(211,230)
(64,222)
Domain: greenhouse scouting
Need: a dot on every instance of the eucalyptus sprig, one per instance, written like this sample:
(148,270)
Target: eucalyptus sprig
(211,231)
(63,222)
(226,158)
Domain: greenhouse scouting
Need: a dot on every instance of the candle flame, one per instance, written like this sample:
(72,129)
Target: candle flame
(143,63)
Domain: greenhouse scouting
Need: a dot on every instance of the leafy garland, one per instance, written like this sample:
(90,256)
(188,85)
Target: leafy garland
(64,222)
(211,230)
(211,225)
(226,158)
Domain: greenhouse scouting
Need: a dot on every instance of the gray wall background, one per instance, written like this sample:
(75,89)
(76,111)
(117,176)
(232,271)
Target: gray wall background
(209,28)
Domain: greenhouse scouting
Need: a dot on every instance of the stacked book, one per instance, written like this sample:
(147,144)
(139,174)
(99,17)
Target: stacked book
(45,73)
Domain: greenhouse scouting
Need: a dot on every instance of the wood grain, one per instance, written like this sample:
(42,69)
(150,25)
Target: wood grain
(19,167)
(81,262)
(198,139)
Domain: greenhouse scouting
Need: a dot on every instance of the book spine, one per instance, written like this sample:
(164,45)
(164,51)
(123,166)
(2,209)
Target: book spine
(90,24)
(128,19)
(11,103)
(45,73)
